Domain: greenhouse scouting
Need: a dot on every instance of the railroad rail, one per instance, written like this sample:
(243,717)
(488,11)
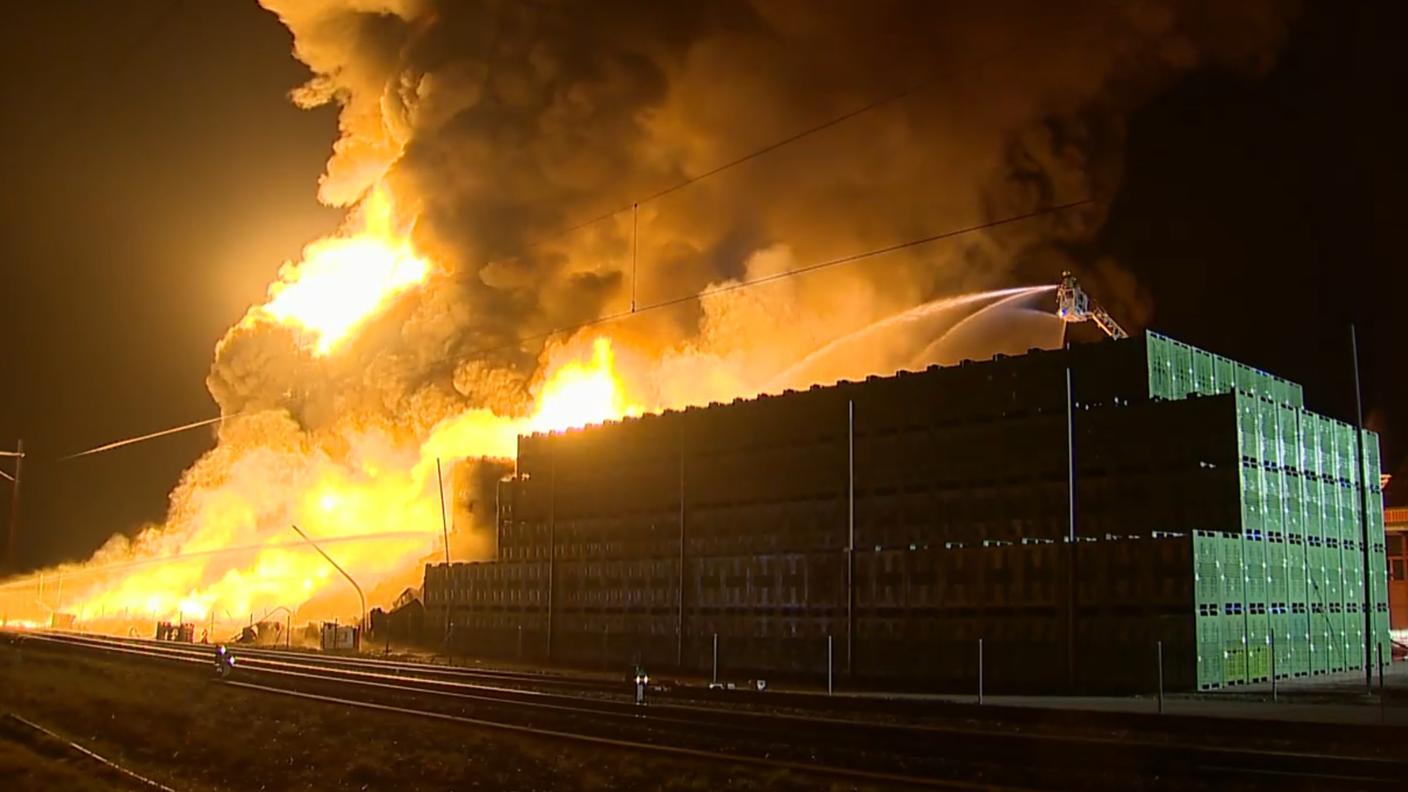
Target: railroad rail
(918,755)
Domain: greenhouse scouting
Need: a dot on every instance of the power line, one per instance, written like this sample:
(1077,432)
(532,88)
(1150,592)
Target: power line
(699,296)
(151,436)
(744,284)
(733,163)
(874,104)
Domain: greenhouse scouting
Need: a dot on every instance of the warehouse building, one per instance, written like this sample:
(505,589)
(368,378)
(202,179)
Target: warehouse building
(1076,511)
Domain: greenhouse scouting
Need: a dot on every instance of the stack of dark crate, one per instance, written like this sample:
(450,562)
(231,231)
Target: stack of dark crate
(887,526)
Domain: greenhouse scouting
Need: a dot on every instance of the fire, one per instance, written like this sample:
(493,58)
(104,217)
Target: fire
(344,280)
(228,555)
(583,392)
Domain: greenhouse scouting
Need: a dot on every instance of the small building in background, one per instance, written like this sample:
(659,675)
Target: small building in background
(1396,530)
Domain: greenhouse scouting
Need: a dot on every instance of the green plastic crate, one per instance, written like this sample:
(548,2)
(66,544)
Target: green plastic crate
(1300,643)
(1277,573)
(1224,374)
(1160,359)
(1254,569)
(1337,640)
(1211,665)
(1251,497)
(1296,570)
(1207,569)
(1309,437)
(1293,498)
(1204,372)
(1283,642)
(1258,647)
(1273,506)
(1269,448)
(1320,631)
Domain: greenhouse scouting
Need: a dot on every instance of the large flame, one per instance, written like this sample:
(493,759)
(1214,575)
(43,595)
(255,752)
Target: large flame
(376,508)
(581,392)
(345,279)
(369,494)
(367,489)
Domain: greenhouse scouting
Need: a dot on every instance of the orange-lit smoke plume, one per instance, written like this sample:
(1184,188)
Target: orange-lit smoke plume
(471,134)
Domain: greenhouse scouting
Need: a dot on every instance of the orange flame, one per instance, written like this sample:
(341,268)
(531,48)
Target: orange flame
(583,392)
(230,556)
(343,280)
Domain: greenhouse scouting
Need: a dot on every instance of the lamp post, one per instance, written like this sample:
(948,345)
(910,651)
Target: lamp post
(361,625)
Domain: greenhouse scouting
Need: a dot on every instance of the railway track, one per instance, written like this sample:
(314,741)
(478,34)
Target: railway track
(945,756)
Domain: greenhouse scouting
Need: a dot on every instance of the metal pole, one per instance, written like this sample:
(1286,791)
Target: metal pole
(552,531)
(830,675)
(1363,513)
(1070,530)
(520,642)
(679,626)
(716,657)
(1272,639)
(444,523)
(1380,647)
(850,535)
(980,671)
(14,532)
(362,625)
(1161,677)
(445,534)
(635,225)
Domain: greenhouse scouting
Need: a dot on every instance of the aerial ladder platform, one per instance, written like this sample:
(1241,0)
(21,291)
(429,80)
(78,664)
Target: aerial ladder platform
(1074,304)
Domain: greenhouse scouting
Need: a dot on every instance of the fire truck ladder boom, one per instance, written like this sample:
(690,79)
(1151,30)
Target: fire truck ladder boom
(1073,304)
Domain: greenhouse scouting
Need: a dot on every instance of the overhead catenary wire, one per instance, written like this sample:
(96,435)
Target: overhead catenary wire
(761,280)
(150,436)
(634,207)
(768,148)
(675,301)
(672,302)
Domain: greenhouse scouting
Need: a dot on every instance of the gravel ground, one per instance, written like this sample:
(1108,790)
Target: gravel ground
(176,726)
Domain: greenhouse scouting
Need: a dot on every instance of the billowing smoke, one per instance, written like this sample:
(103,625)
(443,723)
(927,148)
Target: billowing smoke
(485,149)
(498,124)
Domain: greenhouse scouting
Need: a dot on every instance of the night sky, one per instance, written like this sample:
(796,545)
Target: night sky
(156,176)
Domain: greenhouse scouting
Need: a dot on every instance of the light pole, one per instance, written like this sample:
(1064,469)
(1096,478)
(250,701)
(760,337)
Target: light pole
(361,625)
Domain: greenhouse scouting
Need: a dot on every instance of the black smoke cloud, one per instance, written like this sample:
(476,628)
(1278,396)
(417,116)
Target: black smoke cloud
(497,124)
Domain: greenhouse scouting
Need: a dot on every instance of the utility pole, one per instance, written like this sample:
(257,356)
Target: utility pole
(1071,538)
(444,524)
(18,455)
(1363,517)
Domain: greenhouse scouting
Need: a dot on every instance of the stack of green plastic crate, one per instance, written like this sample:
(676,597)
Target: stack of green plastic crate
(1285,588)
